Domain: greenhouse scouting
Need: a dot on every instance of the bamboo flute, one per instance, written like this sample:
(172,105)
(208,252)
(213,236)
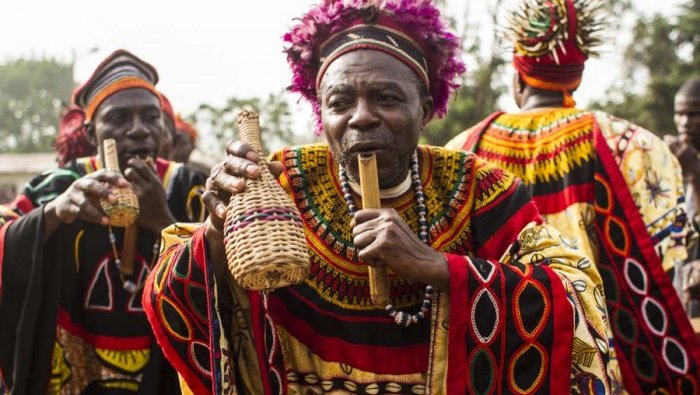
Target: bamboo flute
(369,186)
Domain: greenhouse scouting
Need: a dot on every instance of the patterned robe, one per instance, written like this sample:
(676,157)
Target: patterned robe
(508,326)
(68,326)
(617,190)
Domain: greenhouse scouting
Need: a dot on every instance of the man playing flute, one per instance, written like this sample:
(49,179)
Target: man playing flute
(483,295)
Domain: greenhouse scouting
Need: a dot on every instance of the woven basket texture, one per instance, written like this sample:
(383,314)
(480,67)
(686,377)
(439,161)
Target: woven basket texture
(264,237)
(125,210)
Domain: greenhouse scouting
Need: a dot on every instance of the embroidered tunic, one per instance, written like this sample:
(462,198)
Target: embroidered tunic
(68,326)
(617,190)
(506,327)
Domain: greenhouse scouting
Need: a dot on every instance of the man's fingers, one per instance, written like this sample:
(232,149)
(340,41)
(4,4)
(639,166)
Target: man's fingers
(135,177)
(144,170)
(226,182)
(276,168)
(92,187)
(241,149)
(364,239)
(87,210)
(371,256)
(241,167)
(111,177)
(367,214)
(214,204)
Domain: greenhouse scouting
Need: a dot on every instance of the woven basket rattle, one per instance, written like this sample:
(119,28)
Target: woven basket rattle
(124,211)
(263,233)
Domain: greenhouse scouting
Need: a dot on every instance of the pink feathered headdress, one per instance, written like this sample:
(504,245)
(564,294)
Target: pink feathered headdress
(418,19)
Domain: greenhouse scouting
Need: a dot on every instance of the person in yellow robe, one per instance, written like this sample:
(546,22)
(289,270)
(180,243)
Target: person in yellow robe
(610,185)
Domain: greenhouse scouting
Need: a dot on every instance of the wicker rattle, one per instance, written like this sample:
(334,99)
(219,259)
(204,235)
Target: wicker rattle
(124,211)
(263,234)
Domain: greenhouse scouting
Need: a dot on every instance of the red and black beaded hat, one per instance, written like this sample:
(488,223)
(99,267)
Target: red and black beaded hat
(119,71)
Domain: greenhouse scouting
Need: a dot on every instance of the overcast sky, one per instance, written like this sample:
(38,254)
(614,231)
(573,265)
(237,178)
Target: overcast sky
(205,51)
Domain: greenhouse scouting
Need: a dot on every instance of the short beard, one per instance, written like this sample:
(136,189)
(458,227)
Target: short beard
(388,177)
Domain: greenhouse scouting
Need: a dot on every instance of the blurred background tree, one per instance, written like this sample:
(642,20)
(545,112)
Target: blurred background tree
(276,121)
(32,94)
(662,56)
(481,86)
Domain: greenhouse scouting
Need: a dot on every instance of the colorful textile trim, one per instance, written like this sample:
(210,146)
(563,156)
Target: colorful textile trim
(576,165)
(509,327)
(654,339)
(527,369)
(90,335)
(116,86)
(189,325)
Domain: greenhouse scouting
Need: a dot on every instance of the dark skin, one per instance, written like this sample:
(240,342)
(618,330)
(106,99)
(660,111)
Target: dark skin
(132,117)
(529,98)
(685,147)
(167,143)
(370,102)
(182,147)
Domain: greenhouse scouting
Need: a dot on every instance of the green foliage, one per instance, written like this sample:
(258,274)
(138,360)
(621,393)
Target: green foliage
(32,93)
(275,120)
(662,56)
(481,87)
(473,101)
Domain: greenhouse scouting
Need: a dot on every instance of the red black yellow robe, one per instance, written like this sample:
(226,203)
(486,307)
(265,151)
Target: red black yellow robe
(616,189)
(67,326)
(507,327)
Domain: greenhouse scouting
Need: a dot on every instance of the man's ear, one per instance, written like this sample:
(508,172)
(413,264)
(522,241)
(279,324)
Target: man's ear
(427,106)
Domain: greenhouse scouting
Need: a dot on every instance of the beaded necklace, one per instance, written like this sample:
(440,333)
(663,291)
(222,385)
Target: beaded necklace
(400,317)
(128,285)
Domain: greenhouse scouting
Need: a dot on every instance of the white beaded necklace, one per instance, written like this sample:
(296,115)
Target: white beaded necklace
(400,317)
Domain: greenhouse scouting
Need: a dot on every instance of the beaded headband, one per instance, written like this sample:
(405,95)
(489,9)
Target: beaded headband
(377,37)
(116,86)
(121,70)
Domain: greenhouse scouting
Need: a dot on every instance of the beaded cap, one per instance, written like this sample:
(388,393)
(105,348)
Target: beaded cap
(553,38)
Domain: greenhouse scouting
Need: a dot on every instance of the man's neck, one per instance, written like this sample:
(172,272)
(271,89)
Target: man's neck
(388,193)
(534,98)
(541,102)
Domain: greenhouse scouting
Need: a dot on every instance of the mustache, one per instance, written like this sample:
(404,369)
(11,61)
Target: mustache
(379,137)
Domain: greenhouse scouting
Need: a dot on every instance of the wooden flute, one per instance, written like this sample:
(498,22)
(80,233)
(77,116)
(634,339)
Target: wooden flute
(369,186)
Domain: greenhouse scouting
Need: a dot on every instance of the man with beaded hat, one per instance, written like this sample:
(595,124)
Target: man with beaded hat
(184,140)
(610,185)
(70,292)
(480,289)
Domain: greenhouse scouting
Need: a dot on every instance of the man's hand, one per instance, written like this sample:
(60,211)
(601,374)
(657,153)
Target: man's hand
(82,200)
(383,238)
(227,178)
(154,213)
